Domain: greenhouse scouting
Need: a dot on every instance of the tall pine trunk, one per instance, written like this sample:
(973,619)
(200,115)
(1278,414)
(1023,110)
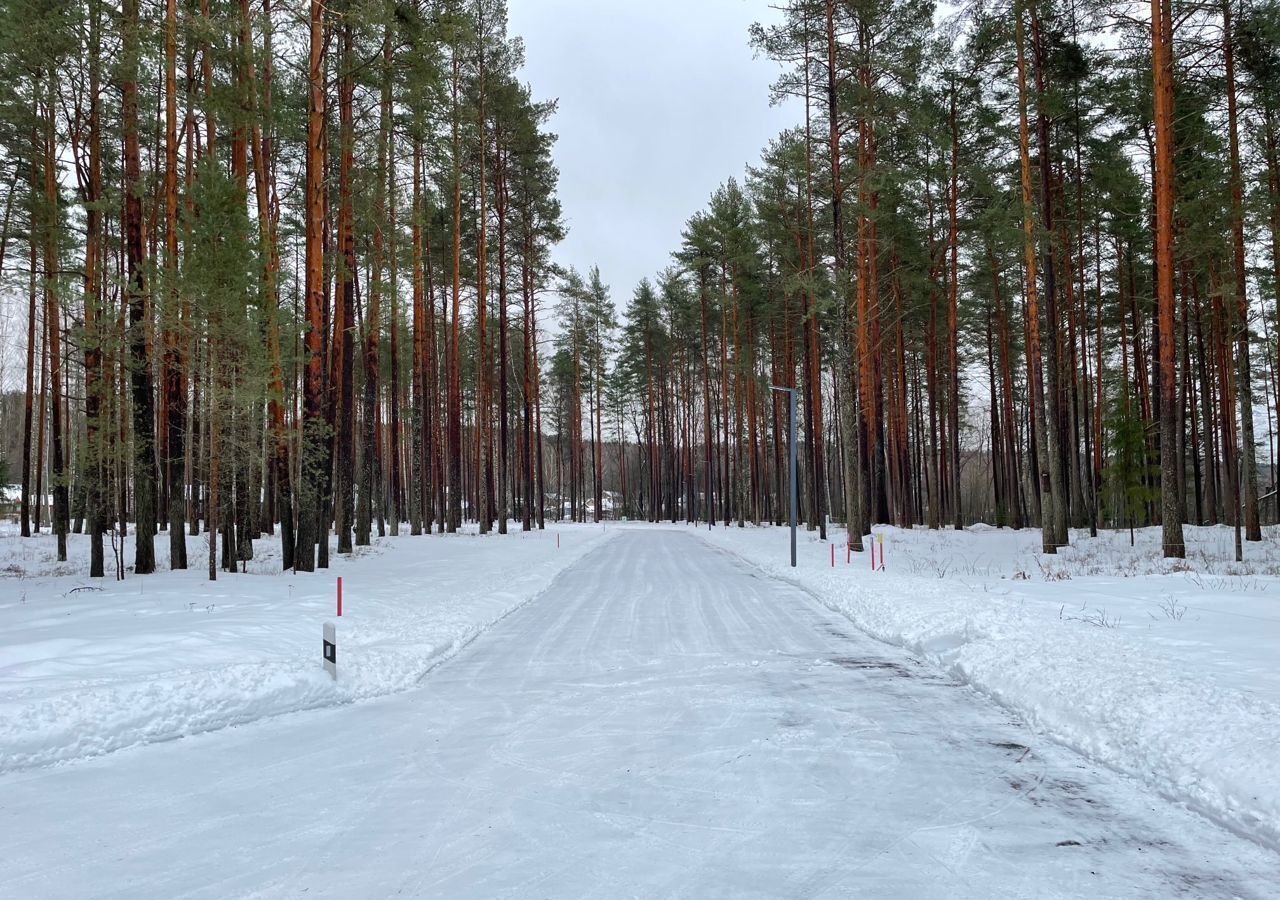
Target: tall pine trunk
(314,424)
(94,454)
(453,520)
(373,322)
(1244,375)
(344,313)
(141,389)
(174,381)
(1162,79)
(1049,542)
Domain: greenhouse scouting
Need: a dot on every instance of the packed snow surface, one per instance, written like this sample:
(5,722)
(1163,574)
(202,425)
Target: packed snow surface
(89,666)
(673,716)
(1166,670)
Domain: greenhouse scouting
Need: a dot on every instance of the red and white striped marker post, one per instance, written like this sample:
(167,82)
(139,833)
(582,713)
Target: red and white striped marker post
(339,596)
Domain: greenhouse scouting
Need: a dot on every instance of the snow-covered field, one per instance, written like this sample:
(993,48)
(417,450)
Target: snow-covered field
(663,722)
(89,666)
(1167,671)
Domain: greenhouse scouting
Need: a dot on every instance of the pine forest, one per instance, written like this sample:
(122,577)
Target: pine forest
(288,269)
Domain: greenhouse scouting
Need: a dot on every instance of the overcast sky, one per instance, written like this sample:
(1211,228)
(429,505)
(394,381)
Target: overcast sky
(660,102)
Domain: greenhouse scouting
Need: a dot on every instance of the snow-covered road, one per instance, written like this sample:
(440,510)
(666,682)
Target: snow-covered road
(662,723)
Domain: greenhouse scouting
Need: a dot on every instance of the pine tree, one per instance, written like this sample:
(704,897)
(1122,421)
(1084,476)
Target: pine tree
(1129,473)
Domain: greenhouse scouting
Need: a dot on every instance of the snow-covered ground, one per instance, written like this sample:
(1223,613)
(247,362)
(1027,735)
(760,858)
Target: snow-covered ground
(1167,671)
(89,666)
(662,661)
(661,722)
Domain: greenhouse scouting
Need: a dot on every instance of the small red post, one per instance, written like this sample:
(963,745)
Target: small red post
(848,550)
(872,545)
(833,556)
(557,540)
(339,596)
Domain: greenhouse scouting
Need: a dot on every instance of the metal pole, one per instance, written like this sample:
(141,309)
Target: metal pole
(795,504)
(795,497)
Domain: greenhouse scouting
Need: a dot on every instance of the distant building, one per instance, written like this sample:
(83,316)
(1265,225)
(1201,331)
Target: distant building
(9,497)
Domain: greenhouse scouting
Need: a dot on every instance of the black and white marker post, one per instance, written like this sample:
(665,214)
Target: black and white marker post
(331,649)
(791,392)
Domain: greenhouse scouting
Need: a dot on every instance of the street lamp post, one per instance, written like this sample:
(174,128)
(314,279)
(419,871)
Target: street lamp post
(791,450)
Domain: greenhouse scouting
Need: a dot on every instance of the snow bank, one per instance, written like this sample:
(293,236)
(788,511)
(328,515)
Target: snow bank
(1160,709)
(89,667)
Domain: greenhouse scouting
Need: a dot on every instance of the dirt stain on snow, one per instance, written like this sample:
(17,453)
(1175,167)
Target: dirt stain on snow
(882,665)
(1010,746)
